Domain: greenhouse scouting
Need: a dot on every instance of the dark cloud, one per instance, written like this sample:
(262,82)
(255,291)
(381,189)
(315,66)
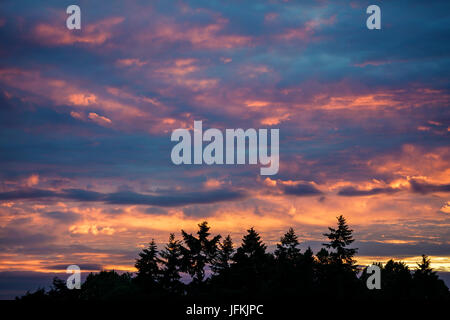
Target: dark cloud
(176,199)
(155,210)
(26,194)
(425,188)
(17,283)
(380,249)
(369,248)
(201,210)
(83,266)
(65,217)
(81,195)
(13,236)
(352,191)
(301,190)
(130,198)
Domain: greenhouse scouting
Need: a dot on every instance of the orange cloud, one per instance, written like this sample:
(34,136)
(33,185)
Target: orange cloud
(32,180)
(207,37)
(92,34)
(82,99)
(433,165)
(103,121)
(131,63)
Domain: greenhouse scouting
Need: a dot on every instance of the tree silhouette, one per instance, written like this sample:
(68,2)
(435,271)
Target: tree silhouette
(427,284)
(340,238)
(252,247)
(107,285)
(199,251)
(253,268)
(323,256)
(148,266)
(221,262)
(287,249)
(251,272)
(396,280)
(172,263)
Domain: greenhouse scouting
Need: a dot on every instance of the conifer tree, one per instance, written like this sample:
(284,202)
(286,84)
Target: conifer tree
(222,260)
(172,260)
(427,283)
(199,251)
(323,256)
(287,248)
(252,247)
(340,239)
(148,264)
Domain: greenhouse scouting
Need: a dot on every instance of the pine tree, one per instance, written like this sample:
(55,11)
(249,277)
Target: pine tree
(148,264)
(323,256)
(222,260)
(340,238)
(427,283)
(252,270)
(172,260)
(252,247)
(199,251)
(308,256)
(287,249)
(396,280)
(424,268)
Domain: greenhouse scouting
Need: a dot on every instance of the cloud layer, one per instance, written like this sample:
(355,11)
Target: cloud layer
(86,118)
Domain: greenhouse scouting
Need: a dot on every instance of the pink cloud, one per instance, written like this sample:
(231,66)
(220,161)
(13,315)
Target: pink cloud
(131,62)
(210,36)
(93,34)
(103,121)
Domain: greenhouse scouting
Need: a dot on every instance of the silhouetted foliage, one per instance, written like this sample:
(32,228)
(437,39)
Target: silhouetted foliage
(172,260)
(340,238)
(148,267)
(198,252)
(107,285)
(427,284)
(252,248)
(287,248)
(251,272)
(221,262)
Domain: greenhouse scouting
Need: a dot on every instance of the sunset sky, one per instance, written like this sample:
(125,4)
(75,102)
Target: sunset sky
(86,117)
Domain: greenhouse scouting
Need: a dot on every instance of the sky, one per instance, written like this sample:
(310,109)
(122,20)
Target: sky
(86,117)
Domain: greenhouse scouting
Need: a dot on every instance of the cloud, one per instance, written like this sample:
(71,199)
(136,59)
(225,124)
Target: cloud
(425,188)
(83,267)
(131,62)
(209,36)
(352,191)
(129,198)
(340,109)
(82,99)
(16,237)
(80,195)
(17,283)
(176,199)
(301,189)
(64,217)
(32,180)
(29,193)
(93,34)
(446,207)
(101,120)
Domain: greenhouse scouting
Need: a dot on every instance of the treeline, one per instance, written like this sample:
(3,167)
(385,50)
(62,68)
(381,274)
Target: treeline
(219,272)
